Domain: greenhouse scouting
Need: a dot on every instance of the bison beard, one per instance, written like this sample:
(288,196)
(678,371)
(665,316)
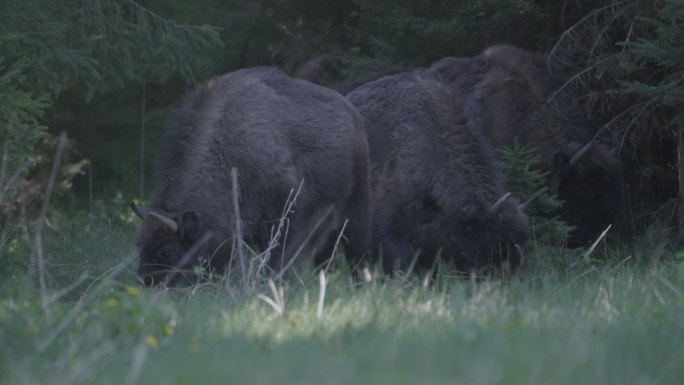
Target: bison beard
(436,185)
(280,134)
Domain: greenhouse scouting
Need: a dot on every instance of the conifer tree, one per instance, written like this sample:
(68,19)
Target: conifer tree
(666,51)
(48,47)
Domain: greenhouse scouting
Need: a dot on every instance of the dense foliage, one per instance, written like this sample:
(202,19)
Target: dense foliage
(663,91)
(562,320)
(101,70)
(50,47)
(520,166)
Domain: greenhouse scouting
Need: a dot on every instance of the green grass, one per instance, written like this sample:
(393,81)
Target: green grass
(615,317)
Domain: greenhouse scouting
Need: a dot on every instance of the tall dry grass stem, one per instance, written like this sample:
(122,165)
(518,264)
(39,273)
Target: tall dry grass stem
(90,187)
(86,297)
(137,363)
(3,165)
(277,302)
(680,179)
(142,143)
(321,294)
(303,244)
(68,288)
(596,242)
(337,242)
(88,365)
(283,227)
(238,230)
(38,244)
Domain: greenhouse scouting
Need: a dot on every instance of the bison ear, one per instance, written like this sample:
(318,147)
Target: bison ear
(189,226)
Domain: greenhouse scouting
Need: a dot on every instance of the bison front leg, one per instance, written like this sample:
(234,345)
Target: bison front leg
(392,235)
(357,214)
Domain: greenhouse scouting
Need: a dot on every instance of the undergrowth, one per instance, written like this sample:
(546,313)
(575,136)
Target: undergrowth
(612,316)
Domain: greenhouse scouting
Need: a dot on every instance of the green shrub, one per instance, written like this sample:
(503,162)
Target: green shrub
(520,166)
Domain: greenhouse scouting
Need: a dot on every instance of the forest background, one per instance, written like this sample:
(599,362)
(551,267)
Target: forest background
(106,72)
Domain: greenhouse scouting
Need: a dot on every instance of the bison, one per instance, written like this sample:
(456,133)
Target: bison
(511,94)
(281,135)
(436,186)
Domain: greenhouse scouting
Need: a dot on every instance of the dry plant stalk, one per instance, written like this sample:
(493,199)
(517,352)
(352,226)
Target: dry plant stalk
(321,294)
(142,143)
(281,231)
(680,173)
(137,363)
(90,293)
(596,242)
(38,244)
(278,300)
(337,243)
(238,229)
(304,242)
(3,165)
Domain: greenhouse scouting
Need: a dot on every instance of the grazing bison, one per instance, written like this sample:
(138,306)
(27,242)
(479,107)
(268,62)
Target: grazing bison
(279,133)
(511,94)
(436,185)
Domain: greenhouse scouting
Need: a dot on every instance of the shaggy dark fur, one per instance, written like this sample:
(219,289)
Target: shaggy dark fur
(508,92)
(277,131)
(434,178)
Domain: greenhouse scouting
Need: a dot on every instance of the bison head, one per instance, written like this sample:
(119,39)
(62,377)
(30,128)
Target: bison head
(590,185)
(170,244)
(525,96)
(479,236)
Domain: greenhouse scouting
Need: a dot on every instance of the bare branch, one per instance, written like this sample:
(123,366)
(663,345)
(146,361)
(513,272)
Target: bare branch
(577,77)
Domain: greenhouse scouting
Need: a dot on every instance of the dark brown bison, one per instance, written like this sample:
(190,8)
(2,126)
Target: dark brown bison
(511,94)
(279,134)
(436,186)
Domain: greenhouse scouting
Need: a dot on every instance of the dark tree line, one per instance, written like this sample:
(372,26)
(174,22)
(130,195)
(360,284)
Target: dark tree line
(89,67)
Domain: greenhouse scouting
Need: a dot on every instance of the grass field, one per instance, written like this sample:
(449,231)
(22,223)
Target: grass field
(614,317)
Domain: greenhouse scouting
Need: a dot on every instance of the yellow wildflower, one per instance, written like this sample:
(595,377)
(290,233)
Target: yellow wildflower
(152,342)
(168,330)
(112,302)
(132,291)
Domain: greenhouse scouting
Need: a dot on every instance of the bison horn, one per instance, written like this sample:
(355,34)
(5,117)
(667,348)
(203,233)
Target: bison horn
(170,223)
(534,196)
(576,158)
(497,205)
(139,211)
